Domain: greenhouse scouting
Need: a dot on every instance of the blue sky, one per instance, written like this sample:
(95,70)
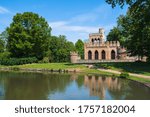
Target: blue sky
(73,18)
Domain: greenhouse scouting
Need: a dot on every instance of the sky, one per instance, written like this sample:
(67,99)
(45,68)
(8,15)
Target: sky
(73,18)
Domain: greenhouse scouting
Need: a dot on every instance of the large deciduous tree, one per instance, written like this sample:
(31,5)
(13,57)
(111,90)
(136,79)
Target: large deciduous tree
(28,36)
(80,48)
(115,34)
(1,46)
(60,49)
(136,24)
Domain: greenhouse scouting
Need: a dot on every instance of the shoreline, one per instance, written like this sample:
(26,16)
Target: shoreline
(41,70)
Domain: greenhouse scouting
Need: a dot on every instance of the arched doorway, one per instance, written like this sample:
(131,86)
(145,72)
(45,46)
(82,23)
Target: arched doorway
(96,55)
(113,54)
(89,55)
(103,55)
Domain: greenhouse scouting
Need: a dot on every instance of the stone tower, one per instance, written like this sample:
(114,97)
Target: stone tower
(74,57)
(99,49)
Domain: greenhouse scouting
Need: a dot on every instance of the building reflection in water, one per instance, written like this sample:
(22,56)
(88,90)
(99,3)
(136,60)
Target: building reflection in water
(98,85)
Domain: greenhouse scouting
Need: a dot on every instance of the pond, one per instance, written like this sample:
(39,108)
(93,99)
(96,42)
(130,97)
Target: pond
(54,86)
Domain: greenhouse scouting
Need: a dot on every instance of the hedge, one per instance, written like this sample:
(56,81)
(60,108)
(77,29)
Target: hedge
(18,61)
(124,75)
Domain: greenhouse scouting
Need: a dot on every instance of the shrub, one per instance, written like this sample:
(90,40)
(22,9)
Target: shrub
(44,60)
(124,75)
(18,61)
(5,55)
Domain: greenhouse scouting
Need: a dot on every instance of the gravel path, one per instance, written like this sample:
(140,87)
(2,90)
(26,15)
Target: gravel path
(131,74)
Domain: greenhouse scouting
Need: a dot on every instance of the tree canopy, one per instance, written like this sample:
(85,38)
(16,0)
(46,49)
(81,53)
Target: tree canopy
(28,36)
(60,49)
(79,45)
(115,34)
(124,2)
(135,25)
(1,46)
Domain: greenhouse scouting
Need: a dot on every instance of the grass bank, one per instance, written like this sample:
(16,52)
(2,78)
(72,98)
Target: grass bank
(135,67)
(77,68)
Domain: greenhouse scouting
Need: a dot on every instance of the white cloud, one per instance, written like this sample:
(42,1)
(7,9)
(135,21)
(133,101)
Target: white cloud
(81,25)
(64,26)
(57,24)
(74,32)
(3,10)
(85,17)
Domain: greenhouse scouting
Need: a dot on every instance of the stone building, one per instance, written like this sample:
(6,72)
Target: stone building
(99,49)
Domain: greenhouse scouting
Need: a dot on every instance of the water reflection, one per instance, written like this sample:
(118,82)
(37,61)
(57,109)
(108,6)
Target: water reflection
(98,85)
(37,86)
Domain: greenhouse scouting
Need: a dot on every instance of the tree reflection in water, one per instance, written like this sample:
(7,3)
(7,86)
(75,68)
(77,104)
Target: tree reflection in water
(43,86)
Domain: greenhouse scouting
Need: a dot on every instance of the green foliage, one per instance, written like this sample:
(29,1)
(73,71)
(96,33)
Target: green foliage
(44,60)
(1,46)
(135,25)
(80,48)
(18,61)
(4,38)
(28,36)
(5,55)
(121,2)
(116,34)
(124,75)
(60,49)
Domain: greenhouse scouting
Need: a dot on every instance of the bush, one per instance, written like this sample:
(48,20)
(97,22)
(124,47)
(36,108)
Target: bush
(18,61)
(124,75)
(5,55)
(44,60)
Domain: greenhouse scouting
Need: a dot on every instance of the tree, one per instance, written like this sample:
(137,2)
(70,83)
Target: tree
(60,49)
(1,46)
(4,37)
(115,34)
(136,24)
(123,2)
(28,36)
(79,45)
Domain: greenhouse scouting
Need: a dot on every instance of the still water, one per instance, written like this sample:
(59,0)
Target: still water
(46,86)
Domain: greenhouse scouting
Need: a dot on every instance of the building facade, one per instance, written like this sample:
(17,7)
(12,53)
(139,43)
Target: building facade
(99,49)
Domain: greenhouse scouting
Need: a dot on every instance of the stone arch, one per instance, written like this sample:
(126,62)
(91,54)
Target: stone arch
(103,55)
(96,55)
(89,55)
(113,54)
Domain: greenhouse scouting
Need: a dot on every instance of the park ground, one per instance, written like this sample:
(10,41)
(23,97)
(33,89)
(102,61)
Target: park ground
(138,71)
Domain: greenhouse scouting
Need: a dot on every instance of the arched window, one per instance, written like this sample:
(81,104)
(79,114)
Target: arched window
(98,40)
(113,55)
(92,41)
(96,55)
(89,55)
(103,55)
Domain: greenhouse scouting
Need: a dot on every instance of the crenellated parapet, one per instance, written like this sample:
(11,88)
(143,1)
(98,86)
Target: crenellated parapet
(103,44)
(73,53)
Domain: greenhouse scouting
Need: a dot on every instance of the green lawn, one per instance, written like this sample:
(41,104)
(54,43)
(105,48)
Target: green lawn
(64,66)
(141,68)
(52,66)
(136,67)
